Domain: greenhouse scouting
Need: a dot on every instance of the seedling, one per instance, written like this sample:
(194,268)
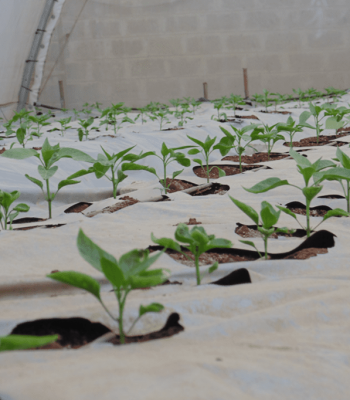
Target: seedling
(85,128)
(300,94)
(6,200)
(21,116)
(161,116)
(40,121)
(48,157)
(257,98)
(235,101)
(176,103)
(207,148)
(335,121)
(197,242)
(143,111)
(76,114)
(64,125)
(116,164)
(266,99)
(269,217)
(194,103)
(316,112)
(235,141)
(87,109)
(218,105)
(128,273)
(23,135)
(22,342)
(291,127)
(279,99)
(168,156)
(111,115)
(310,191)
(181,114)
(268,135)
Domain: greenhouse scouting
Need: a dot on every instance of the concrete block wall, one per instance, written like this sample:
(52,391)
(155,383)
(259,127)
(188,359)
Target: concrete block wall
(137,51)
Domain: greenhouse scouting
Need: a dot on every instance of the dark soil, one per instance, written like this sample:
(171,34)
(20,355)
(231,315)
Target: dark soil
(251,231)
(299,208)
(28,220)
(346,129)
(28,228)
(128,201)
(2,150)
(331,196)
(77,332)
(275,112)
(177,185)
(323,141)
(256,158)
(229,170)
(247,117)
(77,208)
(191,221)
(172,129)
(317,243)
(237,277)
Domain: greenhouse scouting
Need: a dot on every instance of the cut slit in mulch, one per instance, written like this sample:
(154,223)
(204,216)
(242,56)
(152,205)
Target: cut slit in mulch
(323,141)
(299,208)
(30,220)
(229,170)
(257,157)
(233,119)
(77,332)
(275,112)
(177,185)
(317,243)
(77,208)
(251,231)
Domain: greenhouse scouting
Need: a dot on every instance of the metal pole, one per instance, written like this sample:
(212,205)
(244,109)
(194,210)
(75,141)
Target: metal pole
(63,102)
(33,54)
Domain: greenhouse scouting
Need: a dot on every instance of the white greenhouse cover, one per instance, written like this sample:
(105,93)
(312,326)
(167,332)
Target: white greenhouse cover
(285,336)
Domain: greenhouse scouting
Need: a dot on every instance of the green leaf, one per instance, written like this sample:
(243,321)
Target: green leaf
(337,173)
(66,182)
(154,307)
(307,173)
(221,172)
(147,280)
(166,243)
(333,123)
(266,185)
(343,158)
(112,272)
(299,159)
(34,180)
(198,161)
(337,212)
(252,244)
(193,152)
(100,169)
(269,215)
(311,192)
(287,211)
(219,243)
(185,162)
(322,164)
(22,342)
(201,144)
(137,167)
(91,252)
(249,211)
(79,280)
(182,234)
(164,150)
(21,134)
(199,235)
(81,172)
(19,154)
(47,173)
(77,155)
(22,207)
(304,116)
(213,268)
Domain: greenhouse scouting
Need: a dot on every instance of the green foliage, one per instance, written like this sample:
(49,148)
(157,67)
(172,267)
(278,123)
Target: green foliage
(40,121)
(6,213)
(116,115)
(291,127)
(268,135)
(116,164)
(218,105)
(269,217)
(128,273)
(169,155)
(196,241)
(235,141)
(310,190)
(181,114)
(48,157)
(207,147)
(160,113)
(22,342)
(64,125)
(336,116)
(85,128)
(234,101)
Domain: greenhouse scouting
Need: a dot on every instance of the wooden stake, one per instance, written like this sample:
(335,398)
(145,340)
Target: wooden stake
(63,102)
(205,88)
(245,77)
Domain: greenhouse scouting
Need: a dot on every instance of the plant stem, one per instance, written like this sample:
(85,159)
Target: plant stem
(121,328)
(348,197)
(197,268)
(115,185)
(265,245)
(240,162)
(207,162)
(307,218)
(164,181)
(49,200)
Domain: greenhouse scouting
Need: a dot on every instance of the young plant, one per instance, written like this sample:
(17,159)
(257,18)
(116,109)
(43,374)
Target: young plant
(207,147)
(21,116)
(269,217)
(218,105)
(112,114)
(193,102)
(23,134)
(85,128)
(143,111)
(291,127)
(22,342)
(310,190)
(258,99)
(196,241)
(168,156)
(87,109)
(76,114)
(235,141)
(126,274)
(234,101)
(64,125)
(181,114)
(279,99)
(316,112)
(266,99)
(268,135)
(336,116)
(40,121)
(48,157)
(300,94)
(160,115)
(6,213)
(176,103)
(116,164)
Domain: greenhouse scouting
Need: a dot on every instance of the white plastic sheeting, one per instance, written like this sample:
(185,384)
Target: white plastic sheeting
(285,336)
